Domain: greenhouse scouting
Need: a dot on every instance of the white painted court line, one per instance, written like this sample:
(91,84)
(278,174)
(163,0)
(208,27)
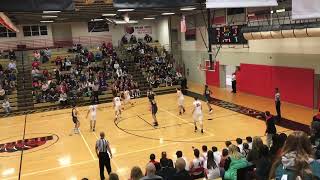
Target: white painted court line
(51,169)
(84,140)
(211,134)
(156,147)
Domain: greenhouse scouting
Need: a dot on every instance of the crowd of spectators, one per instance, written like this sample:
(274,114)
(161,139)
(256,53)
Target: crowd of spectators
(86,74)
(294,157)
(8,81)
(157,66)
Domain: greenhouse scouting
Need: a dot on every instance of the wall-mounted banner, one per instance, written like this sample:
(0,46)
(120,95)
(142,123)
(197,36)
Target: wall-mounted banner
(240,3)
(305,9)
(143,29)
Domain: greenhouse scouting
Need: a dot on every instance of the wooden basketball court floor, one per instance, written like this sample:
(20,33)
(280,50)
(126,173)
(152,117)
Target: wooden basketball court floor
(132,139)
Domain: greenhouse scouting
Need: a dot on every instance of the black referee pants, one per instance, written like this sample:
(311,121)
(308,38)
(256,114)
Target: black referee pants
(278,109)
(104,161)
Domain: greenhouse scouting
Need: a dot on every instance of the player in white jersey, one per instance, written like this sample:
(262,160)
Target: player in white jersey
(127,98)
(117,106)
(180,101)
(93,111)
(197,114)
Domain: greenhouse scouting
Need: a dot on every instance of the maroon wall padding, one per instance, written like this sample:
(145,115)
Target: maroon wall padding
(296,84)
(213,77)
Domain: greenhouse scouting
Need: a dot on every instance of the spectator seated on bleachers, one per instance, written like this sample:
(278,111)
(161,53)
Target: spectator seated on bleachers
(6,106)
(133,39)
(12,66)
(12,55)
(36,55)
(148,38)
(2,93)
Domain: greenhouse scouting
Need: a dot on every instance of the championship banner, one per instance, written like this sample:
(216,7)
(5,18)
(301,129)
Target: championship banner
(305,9)
(240,3)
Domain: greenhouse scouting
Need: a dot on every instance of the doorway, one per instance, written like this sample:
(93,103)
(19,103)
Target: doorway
(230,69)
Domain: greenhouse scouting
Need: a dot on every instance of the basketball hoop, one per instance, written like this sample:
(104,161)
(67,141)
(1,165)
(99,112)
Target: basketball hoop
(206,66)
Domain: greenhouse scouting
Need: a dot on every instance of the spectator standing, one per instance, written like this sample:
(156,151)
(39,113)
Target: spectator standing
(216,154)
(181,173)
(240,145)
(180,155)
(315,125)
(136,173)
(153,161)
(196,165)
(234,162)
(255,154)
(211,168)
(278,103)
(249,141)
(297,160)
(113,176)
(151,173)
(102,150)
(270,129)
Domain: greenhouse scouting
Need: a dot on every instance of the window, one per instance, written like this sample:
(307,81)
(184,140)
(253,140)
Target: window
(35,30)
(5,33)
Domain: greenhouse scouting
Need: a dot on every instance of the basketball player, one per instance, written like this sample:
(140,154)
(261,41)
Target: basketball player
(117,106)
(154,108)
(207,96)
(93,109)
(197,114)
(180,101)
(75,120)
(127,98)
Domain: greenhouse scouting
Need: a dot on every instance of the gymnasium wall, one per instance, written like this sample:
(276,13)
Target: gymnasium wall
(296,84)
(287,53)
(35,41)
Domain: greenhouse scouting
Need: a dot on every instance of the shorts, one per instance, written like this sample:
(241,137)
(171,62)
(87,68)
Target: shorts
(75,120)
(197,117)
(127,100)
(154,109)
(117,108)
(180,102)
(93,118)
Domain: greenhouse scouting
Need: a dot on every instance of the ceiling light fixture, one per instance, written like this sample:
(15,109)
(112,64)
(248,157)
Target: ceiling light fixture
(49,12)
(280,10)
(188,8)
(109,15)
(46,21)
(95,20)
(49,16)
(124,22)
(165,14)
(149,18)
(125,10)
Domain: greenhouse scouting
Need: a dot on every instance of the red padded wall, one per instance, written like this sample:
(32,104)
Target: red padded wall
(296,84)
(213,77)
(255,79)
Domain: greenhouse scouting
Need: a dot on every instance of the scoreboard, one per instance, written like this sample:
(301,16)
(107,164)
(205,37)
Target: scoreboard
(228,35)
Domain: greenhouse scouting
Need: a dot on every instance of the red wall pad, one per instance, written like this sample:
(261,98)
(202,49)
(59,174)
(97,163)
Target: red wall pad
(213,77)
(296,84)
(255,79)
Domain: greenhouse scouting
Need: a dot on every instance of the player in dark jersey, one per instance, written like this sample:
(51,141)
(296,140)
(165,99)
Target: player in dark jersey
(75,120)
(207,96)
(154,108)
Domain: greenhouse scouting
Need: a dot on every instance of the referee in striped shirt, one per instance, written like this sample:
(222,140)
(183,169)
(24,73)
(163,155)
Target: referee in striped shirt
(102,149)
